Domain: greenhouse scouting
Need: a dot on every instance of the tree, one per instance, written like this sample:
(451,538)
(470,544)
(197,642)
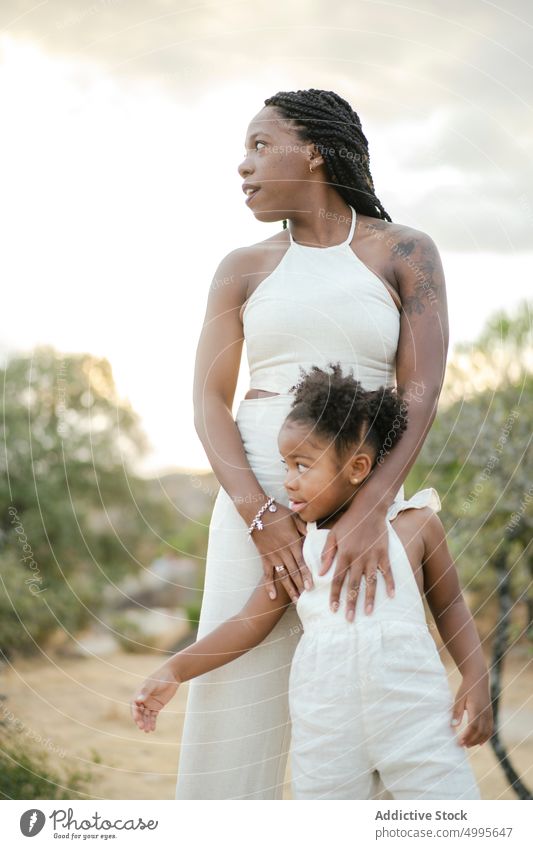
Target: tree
(74,515)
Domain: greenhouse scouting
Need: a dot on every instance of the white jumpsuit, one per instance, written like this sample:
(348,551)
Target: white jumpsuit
(372,694)
(318,305)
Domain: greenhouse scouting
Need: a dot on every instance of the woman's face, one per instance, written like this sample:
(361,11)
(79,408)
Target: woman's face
(278,164)
(317,484)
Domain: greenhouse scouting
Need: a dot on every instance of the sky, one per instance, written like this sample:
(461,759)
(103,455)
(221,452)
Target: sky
(123,127)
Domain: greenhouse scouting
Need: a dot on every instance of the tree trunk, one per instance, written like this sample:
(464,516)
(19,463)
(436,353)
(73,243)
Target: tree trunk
(498,655)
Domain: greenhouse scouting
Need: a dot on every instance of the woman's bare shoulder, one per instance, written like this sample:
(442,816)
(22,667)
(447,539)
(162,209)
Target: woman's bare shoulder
(247,256)
(241,268)
(395,235)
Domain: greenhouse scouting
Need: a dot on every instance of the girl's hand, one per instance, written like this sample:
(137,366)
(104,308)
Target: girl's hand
(360,540)
(156,691)
(474,697)
(281,542)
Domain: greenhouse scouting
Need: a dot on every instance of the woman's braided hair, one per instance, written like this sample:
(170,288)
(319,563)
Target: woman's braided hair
(341,411)
(327,120)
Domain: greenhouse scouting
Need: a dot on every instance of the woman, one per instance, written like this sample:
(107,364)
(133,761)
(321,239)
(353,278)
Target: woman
(344,283)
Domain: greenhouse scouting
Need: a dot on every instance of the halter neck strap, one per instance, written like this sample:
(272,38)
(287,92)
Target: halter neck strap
(329,247)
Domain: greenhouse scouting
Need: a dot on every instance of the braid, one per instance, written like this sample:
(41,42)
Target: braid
(341,410)
(327,120)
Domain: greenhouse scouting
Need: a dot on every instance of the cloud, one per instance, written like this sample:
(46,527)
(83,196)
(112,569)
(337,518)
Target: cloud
(443,91)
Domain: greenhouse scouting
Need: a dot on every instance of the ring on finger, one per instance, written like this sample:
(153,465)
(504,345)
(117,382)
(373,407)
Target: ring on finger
(280,568)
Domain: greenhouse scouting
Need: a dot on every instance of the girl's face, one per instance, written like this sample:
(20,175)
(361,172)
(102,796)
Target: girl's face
(278,163)
(317,483)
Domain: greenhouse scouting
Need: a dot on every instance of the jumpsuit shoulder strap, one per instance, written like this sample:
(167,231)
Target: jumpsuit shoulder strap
(423,498)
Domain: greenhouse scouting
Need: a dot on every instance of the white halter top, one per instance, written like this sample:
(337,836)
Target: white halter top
(321,305)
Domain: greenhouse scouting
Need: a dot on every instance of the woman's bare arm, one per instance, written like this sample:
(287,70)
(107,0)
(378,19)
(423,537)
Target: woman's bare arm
(216,372)
(421,356)
(218,357)
(420,369)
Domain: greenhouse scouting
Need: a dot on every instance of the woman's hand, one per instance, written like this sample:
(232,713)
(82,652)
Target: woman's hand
(474,697)
(156,691)
(360,540)
(281,542)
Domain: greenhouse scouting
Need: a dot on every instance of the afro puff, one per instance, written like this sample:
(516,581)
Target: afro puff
(343,412)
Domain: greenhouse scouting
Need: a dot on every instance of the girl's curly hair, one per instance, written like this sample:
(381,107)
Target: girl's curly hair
(343,412)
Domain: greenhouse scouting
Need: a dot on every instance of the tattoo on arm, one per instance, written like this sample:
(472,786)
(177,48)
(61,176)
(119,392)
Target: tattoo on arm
(421,258)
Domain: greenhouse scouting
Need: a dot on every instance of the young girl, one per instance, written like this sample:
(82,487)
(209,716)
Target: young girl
(370,694)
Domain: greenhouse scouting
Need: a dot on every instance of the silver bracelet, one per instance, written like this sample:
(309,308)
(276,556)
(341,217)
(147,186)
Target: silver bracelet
(256,521)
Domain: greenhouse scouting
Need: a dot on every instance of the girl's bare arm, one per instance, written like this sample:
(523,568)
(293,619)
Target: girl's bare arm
(446,602)
(234,637)
(230,640)
(459,634)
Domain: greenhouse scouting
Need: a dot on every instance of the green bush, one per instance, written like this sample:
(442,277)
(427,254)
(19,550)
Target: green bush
(129,634)
(25,773)
(193,613)
(28,619)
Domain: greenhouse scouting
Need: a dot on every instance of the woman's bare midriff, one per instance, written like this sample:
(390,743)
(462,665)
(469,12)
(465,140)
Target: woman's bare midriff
(259,393)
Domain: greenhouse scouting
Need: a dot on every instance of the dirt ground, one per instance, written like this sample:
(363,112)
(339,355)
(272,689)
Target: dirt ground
(78,708)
